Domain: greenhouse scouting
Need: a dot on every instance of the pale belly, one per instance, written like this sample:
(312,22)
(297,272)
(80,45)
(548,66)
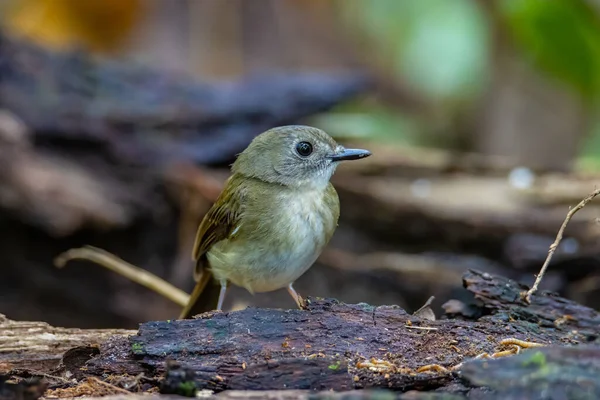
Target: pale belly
(259,270)
(270,262)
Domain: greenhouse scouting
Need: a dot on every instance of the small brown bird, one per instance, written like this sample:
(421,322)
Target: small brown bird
(275,215)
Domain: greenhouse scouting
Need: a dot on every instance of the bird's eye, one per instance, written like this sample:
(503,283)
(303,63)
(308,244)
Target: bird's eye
(304,149)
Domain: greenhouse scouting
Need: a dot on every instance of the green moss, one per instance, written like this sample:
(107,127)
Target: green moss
(137,348)
(187,389)
(538,359)
(335,366)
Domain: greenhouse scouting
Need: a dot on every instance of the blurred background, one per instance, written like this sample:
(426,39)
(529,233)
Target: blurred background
(119,118)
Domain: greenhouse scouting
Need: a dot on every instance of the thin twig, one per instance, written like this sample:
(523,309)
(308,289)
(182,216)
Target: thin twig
(123,268)
(521,343)
(423,328)
(554,246)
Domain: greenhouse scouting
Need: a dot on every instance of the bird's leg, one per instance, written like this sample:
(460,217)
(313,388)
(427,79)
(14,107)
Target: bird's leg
(299,300)
(223,283)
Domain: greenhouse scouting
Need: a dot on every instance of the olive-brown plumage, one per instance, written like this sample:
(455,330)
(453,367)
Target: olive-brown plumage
(275,215)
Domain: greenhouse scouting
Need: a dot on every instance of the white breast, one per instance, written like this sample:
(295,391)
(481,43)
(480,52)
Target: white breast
(255,264)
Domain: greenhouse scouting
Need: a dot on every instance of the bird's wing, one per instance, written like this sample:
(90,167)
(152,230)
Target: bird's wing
(333,203)
(220,222)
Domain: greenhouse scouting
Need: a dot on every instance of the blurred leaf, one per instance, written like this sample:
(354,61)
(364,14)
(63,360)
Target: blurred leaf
(382,21)
(590,148)
(440,46)
(373,124)
(446,48)
(562,38)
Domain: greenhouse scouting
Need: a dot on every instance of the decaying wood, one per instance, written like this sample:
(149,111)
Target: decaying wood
(373,346)
(25,390)
(466,212)
(420,269)
(556,372)
(339,346)
(39,347)
(292,395)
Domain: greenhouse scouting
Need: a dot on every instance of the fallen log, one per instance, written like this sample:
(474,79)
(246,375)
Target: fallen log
(551,373)
(37,346)
(343,347)
(457,213)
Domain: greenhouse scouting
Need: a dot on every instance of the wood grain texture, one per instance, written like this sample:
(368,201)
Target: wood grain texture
(343,347)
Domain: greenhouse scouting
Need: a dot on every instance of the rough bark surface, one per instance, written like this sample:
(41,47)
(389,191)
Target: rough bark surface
(342,347)
(37,346)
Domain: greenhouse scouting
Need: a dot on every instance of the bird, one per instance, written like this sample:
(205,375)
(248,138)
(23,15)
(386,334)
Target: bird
(276,213)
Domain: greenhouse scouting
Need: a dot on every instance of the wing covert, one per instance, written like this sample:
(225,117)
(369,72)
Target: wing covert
(220,222)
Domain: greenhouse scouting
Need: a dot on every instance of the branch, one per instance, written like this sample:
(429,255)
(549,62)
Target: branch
(123,268)
(554,246)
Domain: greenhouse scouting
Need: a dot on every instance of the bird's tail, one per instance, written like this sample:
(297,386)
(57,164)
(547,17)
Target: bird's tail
(204,297)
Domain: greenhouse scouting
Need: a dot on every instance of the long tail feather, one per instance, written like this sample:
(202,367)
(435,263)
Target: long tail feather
(204,297)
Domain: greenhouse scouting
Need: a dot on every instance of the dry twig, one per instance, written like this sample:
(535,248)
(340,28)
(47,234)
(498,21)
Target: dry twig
(554,246)
(123,268)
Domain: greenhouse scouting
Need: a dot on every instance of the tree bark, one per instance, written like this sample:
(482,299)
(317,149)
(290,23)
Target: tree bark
(340,347)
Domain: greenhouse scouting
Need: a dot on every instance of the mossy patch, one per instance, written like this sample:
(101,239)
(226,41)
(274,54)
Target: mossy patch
(335,366)
(187,389)
(536,359)
(137,348)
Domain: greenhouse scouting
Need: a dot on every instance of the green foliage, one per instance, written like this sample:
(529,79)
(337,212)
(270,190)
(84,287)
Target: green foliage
(537,358)
(187,389)
(446,46)
(590,149)
(359,121)
(440,46)
(561,38)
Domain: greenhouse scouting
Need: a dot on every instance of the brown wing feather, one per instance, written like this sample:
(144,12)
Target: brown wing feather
(203,298)
(218,224)
(220,221)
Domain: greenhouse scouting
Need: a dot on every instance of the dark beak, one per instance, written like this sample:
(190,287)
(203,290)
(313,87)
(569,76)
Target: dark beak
(349,154)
